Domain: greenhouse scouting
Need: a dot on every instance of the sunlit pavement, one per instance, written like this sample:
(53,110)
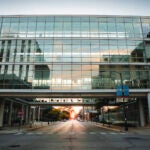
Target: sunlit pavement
(73,135)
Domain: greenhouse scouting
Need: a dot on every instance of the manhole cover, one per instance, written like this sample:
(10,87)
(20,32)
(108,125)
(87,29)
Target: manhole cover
(14,146)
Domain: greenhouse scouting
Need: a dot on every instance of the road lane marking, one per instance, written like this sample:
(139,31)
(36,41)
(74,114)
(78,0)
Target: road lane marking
(39,133)
(113,133)
(30,133)
(18,133)
(70,133)
(103,133)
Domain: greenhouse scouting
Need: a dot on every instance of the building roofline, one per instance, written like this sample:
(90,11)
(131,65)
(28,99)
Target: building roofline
(67,15)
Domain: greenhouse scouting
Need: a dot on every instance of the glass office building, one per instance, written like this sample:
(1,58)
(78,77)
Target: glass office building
(70,54)
(74,52)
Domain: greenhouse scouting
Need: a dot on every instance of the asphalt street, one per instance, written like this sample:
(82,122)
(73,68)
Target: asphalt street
(73,135)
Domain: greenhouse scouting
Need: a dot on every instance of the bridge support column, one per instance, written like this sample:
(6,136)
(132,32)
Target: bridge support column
(39,112)
(10,114)
(148,99)
(83,114)
(1,112)
(27,114)
(142,116)
(33,114)
(30,115)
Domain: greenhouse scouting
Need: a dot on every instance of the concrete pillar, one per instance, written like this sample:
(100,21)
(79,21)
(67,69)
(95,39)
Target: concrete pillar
(33,116)
(27,115)
(30,114)
(10,113)
(1,112)
(141,111)
(148,99)
(23,115)
(39,113)
(83,113)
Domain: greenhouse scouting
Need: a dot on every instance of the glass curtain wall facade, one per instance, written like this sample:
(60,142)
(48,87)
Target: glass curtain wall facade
(74,52)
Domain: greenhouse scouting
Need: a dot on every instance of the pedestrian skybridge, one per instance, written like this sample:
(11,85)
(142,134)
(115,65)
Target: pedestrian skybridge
(43,97)
(40,93)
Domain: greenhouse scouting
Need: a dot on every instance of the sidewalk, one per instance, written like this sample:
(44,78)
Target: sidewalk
(140,130)
(16,129)
(136,130)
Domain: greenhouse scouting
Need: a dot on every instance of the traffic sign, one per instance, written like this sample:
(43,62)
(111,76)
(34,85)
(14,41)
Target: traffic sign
(126,90)
(122,90)
(119,90)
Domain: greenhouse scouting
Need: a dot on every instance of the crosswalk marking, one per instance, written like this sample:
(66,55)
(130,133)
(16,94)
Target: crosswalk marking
(103,133)
(122,133)
(18,133)
(39,133)
(92,133)
(30,133)
(70,133)
(113,133)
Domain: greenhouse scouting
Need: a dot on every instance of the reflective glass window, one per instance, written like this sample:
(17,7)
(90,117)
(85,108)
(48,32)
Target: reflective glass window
(58,26)
(67,27)
(84,27)
(31,27)
(23,27)
(6,20)
(111,27)
(119,19)
(128,19)
(94,26)
(103,27)
(5,29)
(32,19)
(76,27)
(85,19)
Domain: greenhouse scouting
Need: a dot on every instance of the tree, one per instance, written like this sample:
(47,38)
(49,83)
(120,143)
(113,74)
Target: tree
(54,114)
(64,115)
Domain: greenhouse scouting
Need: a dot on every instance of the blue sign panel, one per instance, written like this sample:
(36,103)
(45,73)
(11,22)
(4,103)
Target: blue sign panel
(126,90)
(119,90)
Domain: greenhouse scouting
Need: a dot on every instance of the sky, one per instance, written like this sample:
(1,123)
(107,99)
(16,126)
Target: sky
(75,7)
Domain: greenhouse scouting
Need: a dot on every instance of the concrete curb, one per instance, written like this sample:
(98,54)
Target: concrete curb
(13,130)
(109,127)
(140,130)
